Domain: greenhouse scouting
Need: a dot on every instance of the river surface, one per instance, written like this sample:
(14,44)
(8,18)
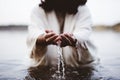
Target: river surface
(14,59)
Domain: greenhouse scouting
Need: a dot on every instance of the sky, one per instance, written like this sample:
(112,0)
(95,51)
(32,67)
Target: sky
(104,12)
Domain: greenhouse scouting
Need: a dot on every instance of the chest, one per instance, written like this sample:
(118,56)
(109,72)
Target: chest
(60,23)
(61,20)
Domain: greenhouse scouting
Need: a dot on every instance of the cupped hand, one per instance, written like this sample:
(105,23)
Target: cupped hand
(67,40)
(51,37)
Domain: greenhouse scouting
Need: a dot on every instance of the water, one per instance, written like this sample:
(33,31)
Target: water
(60,62)
(14,59)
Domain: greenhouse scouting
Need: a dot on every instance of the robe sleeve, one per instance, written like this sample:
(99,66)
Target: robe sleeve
(35,29)
(83,28)
(83,24)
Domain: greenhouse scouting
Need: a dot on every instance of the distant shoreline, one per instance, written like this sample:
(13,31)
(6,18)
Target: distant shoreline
(115,27)
(13,27)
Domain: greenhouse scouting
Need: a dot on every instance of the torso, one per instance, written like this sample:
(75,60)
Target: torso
(61,20)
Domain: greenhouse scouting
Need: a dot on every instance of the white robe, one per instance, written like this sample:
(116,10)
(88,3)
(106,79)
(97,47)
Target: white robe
(80,24)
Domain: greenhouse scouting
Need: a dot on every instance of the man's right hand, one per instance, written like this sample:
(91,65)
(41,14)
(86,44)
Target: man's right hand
(50,37)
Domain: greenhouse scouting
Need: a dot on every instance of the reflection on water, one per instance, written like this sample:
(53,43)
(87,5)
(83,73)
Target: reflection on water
(14,59)
(45,73)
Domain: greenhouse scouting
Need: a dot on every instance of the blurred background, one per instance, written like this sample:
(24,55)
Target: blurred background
(15,17)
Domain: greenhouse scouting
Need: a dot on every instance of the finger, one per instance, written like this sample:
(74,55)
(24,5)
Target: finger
(69,36)
(47,31)
(65,39)
(49,35)
(57,39)
(51,39)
